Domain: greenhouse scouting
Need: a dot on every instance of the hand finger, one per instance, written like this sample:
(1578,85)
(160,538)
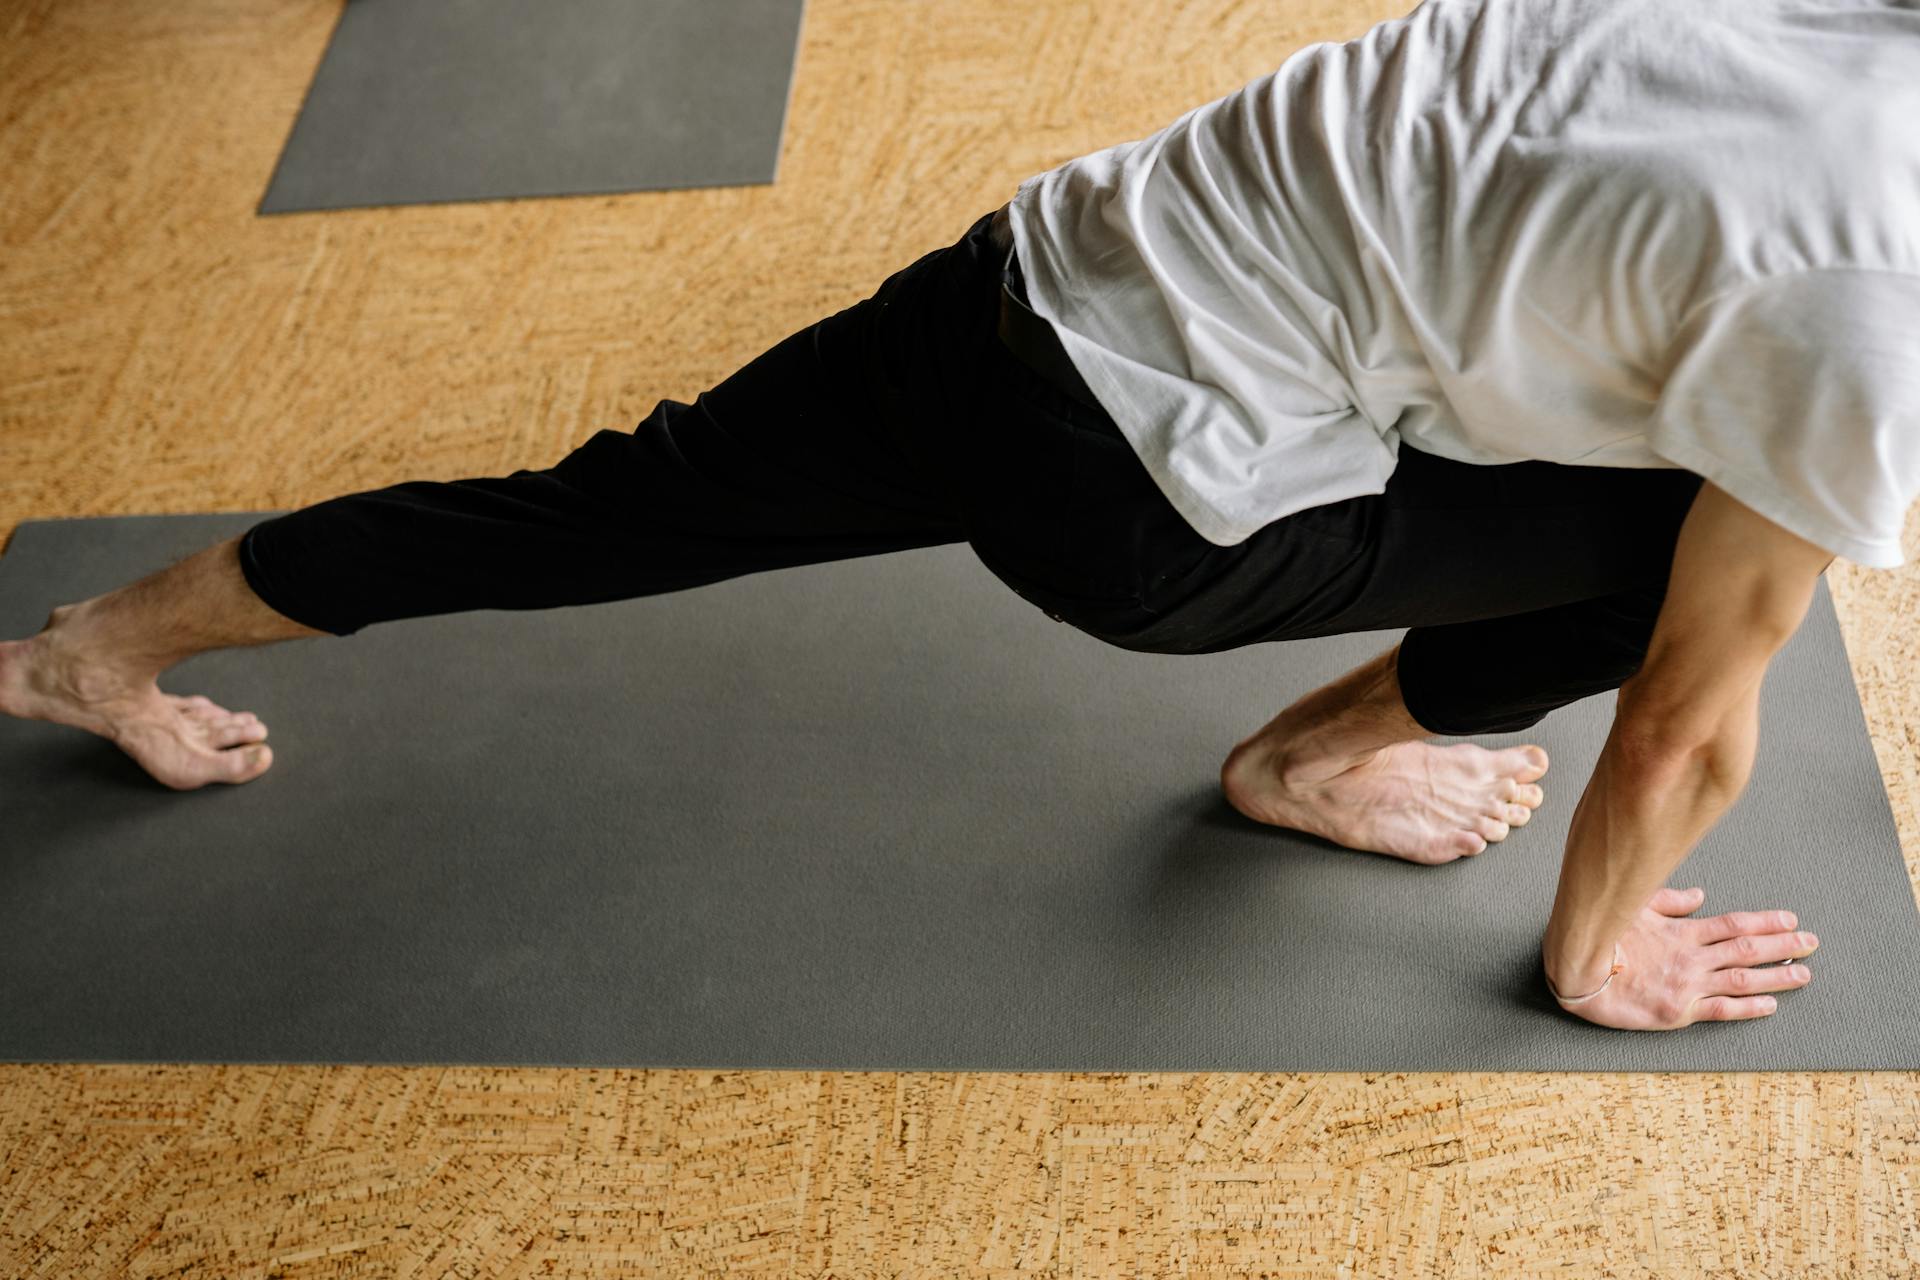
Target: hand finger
(1731,1008)
(1759,948)
(1746,982)
(1735,923)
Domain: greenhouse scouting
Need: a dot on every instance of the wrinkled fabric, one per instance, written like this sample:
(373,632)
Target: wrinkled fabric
(1617,233)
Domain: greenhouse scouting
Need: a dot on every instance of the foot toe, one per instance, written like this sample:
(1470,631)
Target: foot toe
(235,732)
(1492,829)
(244,764)
(1525,763)
(1517,815)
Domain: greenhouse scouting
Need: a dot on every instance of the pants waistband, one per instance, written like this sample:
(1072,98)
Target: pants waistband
(1027,333)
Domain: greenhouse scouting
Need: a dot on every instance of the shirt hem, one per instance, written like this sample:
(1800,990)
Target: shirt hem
(1770,502)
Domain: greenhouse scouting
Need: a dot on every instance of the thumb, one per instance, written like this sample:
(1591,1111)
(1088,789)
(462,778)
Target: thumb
(1678,902)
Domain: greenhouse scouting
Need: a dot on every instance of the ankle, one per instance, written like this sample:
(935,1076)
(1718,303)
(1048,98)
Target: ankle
(1296,764)
(1303,765)
(1340,726)
(65,660)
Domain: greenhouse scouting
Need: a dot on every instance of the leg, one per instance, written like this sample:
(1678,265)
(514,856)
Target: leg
(1330,767)
(1549,658)
(1523,587)
(1345,761)
(95,666)
(819,449)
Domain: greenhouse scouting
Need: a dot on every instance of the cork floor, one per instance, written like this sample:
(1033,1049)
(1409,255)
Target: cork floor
(162,349)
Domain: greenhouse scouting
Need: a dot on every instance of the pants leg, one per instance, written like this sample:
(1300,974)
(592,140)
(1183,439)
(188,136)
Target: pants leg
(1589,551)
(1523,587)
(902,422)
(822,448)
(1503,675)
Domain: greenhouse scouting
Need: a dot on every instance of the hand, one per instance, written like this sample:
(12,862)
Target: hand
(1679,971)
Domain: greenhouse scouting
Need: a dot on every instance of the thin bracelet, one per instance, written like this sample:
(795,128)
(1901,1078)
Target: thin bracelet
(1617,967)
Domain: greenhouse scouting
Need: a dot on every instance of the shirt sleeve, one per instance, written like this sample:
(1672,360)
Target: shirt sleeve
(1800,396)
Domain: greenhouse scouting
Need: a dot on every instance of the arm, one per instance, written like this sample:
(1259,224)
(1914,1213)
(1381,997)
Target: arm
(1685,728)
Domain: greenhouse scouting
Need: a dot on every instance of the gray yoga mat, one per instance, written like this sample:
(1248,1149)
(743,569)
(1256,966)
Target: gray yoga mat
(878,814)
(418,101)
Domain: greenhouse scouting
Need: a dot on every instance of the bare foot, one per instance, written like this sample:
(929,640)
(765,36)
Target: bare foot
(184,743)
(1412,800)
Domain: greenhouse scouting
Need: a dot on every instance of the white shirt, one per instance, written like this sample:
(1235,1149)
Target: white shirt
(1614,233)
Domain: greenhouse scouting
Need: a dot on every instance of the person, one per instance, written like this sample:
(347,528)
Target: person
(1575,338)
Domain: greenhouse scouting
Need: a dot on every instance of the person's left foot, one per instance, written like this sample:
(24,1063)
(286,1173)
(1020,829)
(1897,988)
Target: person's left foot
(1412,800)
(185,743)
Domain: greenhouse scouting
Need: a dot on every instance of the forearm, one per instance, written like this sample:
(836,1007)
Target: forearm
(1641,815)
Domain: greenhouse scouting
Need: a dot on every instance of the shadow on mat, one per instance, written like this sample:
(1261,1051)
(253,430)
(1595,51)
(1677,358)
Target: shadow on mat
(1204,862)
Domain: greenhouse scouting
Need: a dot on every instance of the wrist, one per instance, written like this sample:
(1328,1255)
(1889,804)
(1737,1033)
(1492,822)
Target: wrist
(1575,968)
(1567,997)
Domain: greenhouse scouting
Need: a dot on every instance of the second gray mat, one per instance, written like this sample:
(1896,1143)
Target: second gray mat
(880,814)
(418,101)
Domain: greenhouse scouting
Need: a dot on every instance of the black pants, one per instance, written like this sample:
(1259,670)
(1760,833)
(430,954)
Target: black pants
(903,422)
